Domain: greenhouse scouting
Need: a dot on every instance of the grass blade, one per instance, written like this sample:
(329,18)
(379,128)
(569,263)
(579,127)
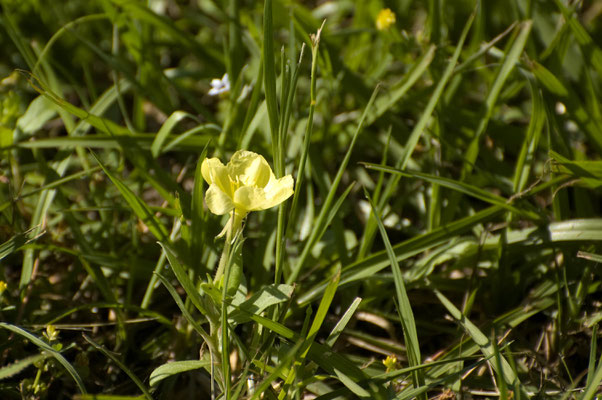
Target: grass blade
(406,316)
(321,221)
(121,365)
(139,207)
(488,349)
(44,346)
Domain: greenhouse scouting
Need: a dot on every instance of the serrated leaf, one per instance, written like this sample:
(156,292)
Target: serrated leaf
(10,370)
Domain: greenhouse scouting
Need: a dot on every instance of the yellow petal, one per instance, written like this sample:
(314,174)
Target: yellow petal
(214,172)
(217,201)
(249,198)
(250,168)
(278,190)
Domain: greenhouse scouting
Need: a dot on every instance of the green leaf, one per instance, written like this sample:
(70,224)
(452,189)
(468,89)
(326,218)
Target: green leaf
(10,370)
(489,349)
(40,111)
(266,297)
(342,323)
(143,140)
(173,368)
(323,309)
(526,157)
(576,230)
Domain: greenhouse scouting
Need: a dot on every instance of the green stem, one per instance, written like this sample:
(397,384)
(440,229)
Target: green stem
(233,226)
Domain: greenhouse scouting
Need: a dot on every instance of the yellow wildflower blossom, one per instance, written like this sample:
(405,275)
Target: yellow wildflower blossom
(246,184)
(51,333)
(385,19)
(3,287)
(390,363)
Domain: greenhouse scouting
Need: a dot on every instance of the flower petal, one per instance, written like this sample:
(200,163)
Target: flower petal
(278,190)
(250,168)
(217,201)
(214,172)
(249,198)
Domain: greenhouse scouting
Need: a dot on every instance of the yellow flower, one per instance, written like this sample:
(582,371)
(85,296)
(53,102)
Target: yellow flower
(3,287)
(385,19)
(51,333)
(390,363)
(246,184)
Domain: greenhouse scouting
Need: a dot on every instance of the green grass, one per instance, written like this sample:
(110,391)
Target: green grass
(447,207)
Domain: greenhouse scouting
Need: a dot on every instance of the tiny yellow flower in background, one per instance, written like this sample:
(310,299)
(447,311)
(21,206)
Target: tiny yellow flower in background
(390,363)
(245,184)
(3,287)
(385,19)
(51,333)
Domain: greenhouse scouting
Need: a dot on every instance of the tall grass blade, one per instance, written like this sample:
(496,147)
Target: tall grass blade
(320,222)
(406,315)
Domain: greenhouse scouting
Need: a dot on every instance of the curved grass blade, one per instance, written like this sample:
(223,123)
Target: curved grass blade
(102,124)
(399,89)
(488,349)
(44,346)
(139,207)
(169,124)
(143,140)
(371,265)
(184,280)
(193,322)
(458,186)
(121,365)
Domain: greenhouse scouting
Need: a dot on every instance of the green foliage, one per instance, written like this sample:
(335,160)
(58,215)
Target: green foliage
(446,213)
